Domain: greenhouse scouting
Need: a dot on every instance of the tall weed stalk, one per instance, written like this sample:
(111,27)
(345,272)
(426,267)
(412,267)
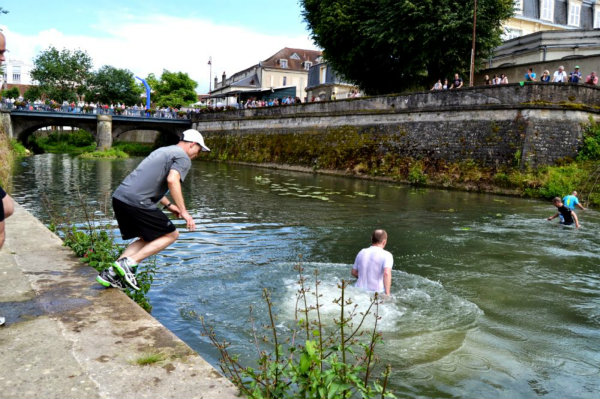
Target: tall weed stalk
(331,362)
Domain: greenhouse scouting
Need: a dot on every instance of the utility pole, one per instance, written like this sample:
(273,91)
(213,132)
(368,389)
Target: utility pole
(472,71)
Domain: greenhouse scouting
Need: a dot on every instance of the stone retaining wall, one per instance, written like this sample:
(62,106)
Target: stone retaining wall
(533,124)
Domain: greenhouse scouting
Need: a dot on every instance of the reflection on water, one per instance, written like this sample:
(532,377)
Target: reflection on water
(490,299)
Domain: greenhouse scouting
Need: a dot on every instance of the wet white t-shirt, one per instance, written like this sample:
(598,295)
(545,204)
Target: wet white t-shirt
(370,263)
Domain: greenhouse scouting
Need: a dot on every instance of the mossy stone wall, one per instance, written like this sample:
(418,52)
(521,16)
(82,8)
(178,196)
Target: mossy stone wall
(493,127)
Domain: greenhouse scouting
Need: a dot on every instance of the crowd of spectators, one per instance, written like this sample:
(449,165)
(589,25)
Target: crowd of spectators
(559,76)
(253,102)
(94,108)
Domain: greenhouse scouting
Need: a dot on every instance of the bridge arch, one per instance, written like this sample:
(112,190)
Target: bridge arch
(104,128)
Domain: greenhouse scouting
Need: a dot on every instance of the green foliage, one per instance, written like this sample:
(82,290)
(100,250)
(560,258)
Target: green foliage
(18,149)
(75,142)
(33,93)
(113,85)
(62,75)
(111,153)
(407,42)
(174,89)
(328,363)
(416,176)
(11,93)
(95,245)
(134,149)
(590,150)
(150,358)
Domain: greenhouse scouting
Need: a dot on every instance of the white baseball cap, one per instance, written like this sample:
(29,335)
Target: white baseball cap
(194,136)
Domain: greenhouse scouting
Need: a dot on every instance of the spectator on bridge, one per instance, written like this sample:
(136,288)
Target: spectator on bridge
(530,75)
(495,80)
(457,83)
(135,205)
(545,77)
(592,79)
(437,85)
(445,86)
(575,76)
(503,79)
(560,76)
(486,80)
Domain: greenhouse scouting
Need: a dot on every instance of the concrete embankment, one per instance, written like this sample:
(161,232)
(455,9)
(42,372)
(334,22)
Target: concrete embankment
(67,337)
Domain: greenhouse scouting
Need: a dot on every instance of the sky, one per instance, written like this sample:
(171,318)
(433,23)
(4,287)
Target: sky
(149,36)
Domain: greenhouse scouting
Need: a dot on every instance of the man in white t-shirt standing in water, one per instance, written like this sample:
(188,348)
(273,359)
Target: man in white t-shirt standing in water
(135,204)
(373,265)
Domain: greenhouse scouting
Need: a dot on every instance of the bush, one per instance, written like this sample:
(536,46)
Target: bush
(111,153)
(590,149)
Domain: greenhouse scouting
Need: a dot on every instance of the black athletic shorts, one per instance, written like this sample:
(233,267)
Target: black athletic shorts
(2,195)
(149,224)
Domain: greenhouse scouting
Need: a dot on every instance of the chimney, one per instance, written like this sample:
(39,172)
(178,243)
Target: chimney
(216,82)
(224,77)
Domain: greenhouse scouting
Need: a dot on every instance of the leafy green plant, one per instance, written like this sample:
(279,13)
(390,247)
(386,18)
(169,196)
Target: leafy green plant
(590,150)
(416,175)
(95,245)
(75,142)
(313,360)
(111,153)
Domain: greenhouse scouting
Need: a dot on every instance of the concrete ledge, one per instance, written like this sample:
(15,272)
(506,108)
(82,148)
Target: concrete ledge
(68,337)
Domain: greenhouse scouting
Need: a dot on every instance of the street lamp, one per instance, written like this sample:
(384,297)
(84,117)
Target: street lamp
(209,74)
(472,71)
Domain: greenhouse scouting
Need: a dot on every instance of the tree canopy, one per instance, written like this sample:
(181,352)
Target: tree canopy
(62,75)
(173,89)
(113,85)
(387,46)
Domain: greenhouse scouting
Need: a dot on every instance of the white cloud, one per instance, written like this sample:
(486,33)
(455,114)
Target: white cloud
(153,43)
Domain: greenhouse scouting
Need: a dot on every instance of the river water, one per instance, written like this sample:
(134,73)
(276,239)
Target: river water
(490,300)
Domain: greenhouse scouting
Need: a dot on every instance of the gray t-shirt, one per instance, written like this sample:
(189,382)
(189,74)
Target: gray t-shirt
(147,184)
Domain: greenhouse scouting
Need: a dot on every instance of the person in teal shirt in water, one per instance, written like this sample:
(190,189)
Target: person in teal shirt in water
(571,201)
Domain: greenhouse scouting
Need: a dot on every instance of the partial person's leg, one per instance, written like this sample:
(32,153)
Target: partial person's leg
(9,206)
(149,248)
(2,233)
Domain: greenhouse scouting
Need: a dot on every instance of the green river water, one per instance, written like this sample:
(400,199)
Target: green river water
(490,300)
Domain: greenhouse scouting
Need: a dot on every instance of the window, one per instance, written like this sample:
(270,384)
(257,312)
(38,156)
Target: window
(511,33)
(295,56)
(16,74)
(307,65)
(574,13)
(547,10)
(284,81)
(597,16)
(283,63)
(323,74)
(518,6)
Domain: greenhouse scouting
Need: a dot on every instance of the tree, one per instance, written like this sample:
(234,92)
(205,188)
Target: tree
(113,85)
(11,93)
(32,94)
(62,75)
(387,46)
(174,89)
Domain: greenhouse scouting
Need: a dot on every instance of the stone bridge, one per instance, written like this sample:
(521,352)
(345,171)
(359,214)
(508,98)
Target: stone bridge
(20,124)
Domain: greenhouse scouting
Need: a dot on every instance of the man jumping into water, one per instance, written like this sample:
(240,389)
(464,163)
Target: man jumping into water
(373,265)
(135,204)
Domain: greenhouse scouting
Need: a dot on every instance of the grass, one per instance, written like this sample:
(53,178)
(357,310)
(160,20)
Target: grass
(149,358)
